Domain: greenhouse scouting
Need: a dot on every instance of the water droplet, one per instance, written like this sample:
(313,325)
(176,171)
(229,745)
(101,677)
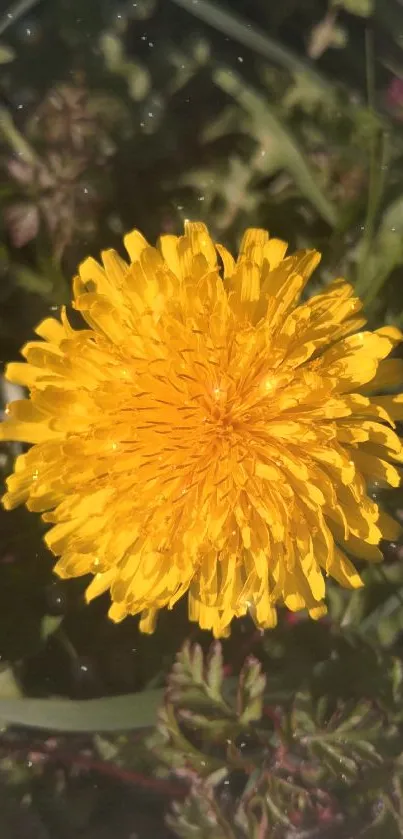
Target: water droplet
(56,600)
(29,32)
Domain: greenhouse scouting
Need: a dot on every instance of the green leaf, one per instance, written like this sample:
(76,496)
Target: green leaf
(114,713)
(191,683)
(361,8)
(136,76)
(240,29)
(252,683)
(9,686)
(49,625)
(7,54)
(199,816)
(396,677)
(31,281)
(214,671)
(341,736)
(282,150)
(385,254)
(174,748)
(385,622)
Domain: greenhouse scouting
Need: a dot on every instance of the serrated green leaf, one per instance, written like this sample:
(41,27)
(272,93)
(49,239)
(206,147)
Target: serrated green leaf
(107,749)
(194,684)
(214,671)
(196,663)
(211,726)
(338,763)
(198,817)
(174,747)
(252,683)
(342,740)
(303,713)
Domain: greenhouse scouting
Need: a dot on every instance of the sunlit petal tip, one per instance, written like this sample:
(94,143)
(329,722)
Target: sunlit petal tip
(7,502)
(254,237)
(198,227)
(148,621)
(135,243)
(90,270)
(318,612)
(394,334)
(117,612)
(99,584)
(228,261)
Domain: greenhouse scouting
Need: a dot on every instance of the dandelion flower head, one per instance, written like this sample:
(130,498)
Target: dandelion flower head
(208,432)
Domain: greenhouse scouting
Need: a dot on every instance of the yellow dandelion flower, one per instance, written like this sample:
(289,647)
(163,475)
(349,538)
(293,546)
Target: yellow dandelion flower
(208,433)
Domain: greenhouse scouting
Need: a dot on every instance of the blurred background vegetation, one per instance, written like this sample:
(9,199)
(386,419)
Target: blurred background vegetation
(116,115)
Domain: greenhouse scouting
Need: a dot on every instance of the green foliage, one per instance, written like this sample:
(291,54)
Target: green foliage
(330,753)
(362,8)
(199,698)
(6,54)
(180,109)
(341,739)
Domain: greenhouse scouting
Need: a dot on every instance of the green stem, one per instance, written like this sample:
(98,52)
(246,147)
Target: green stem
(15,12)
(377,156)
(15,139)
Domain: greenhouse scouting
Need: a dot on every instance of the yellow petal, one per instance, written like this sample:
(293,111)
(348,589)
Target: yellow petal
(274,251)
(168,246)
(388,376)
(135,243)
(344,572)
(228,261)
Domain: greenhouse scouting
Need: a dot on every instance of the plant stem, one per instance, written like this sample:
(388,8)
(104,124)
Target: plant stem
(15,139)
(90,764)
(376,168)
(15,12)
